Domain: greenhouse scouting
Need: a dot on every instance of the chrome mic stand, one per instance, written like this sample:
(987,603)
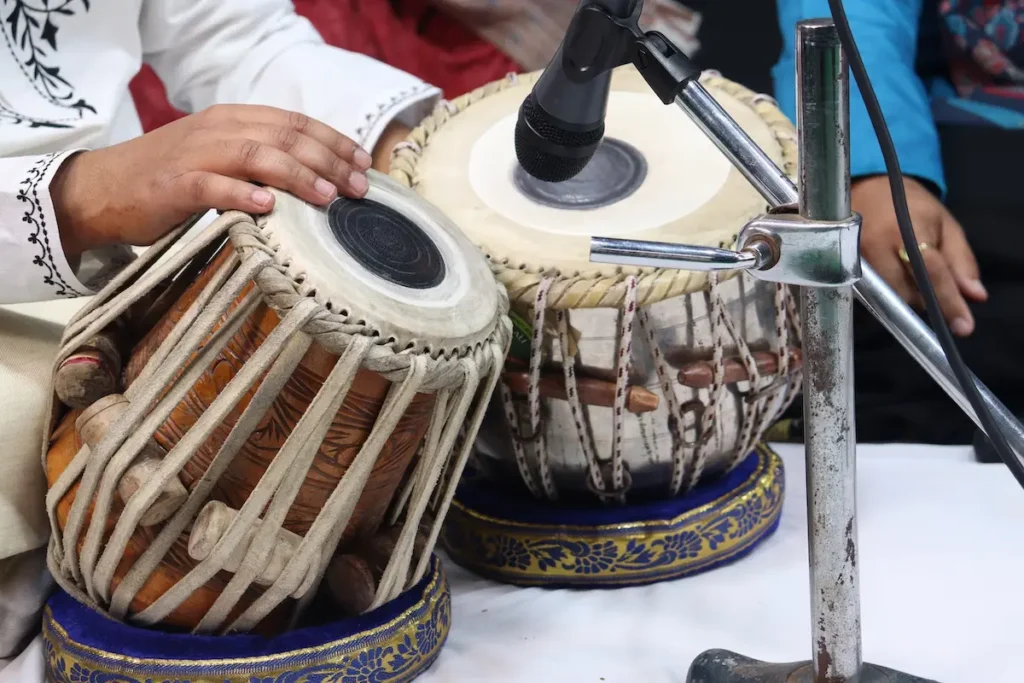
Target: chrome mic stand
(809,238)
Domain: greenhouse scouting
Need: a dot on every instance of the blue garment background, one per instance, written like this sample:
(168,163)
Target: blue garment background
(886,32)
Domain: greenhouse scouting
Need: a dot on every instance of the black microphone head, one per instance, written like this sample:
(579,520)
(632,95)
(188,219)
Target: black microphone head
(550,149)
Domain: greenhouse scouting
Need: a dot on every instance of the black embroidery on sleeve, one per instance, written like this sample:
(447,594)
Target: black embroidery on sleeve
(35,217)
(8,115)
(385,108)
(30,32)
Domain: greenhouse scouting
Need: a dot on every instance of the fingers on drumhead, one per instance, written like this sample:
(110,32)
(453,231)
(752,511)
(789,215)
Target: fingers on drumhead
(342,145)
(309,151)
(215,191)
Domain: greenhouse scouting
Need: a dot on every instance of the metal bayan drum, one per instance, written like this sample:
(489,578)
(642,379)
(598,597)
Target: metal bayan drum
(621,446)
(289,417)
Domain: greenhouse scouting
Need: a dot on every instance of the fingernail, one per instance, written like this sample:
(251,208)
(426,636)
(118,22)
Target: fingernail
(359,182)
(262,198)
(325,188)
(362,159)
(977,288)
(962,327)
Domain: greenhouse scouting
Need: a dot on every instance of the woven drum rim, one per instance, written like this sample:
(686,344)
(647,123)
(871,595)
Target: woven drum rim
(591,289)
(283,284)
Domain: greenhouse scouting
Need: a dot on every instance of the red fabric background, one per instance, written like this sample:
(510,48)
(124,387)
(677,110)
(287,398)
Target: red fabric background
(407,34)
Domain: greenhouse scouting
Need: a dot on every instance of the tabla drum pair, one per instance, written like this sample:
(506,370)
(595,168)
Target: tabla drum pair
(259,431)
(623,443)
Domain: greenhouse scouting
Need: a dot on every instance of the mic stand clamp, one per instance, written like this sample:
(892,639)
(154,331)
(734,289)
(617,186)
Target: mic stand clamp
(781,246)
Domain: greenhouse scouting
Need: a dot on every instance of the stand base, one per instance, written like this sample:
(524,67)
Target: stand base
(722,666)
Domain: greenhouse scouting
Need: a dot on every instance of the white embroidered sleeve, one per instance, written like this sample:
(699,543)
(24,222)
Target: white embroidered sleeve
(261,52)
(33,266)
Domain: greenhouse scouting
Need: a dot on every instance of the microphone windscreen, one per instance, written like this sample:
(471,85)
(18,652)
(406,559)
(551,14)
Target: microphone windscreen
(548,149)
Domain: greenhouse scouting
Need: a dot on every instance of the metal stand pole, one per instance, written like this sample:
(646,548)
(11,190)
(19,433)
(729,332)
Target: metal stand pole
(830,441)
(823,125)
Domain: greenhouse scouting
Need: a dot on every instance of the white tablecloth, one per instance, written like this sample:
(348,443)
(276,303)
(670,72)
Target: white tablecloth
(942,592)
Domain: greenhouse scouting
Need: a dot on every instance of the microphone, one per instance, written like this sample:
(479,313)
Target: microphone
(561,121)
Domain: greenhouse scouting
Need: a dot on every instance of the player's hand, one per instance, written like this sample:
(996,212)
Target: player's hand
(952,268)
(134,192)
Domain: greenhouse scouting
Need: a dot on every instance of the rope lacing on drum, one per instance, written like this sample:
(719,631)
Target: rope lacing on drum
(172,371)
(599,470)
(622,362)
(762,98)
(534,437)
(409,145)
(677,412)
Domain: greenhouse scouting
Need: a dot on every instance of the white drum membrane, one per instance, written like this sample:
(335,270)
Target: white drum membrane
(654,166)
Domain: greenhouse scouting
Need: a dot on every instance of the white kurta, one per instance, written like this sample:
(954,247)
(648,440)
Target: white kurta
(65,66)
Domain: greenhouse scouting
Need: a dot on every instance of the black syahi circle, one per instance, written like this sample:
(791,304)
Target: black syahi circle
(386,243)
(616,171)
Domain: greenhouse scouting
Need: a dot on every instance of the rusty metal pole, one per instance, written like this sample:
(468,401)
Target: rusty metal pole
(823,92)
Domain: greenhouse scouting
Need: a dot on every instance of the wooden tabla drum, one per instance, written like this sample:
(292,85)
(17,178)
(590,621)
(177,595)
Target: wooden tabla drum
(299,395)
(622,445)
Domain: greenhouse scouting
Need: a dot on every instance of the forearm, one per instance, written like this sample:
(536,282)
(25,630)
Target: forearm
(261,52)
(886,35)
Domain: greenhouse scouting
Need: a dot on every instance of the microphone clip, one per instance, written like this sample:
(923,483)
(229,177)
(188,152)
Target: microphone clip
(597,42)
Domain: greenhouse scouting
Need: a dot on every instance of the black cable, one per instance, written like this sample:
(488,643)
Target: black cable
(899,198)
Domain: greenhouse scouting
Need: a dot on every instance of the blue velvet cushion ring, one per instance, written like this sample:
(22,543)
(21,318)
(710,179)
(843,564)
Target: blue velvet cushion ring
(393,643)
(514,538)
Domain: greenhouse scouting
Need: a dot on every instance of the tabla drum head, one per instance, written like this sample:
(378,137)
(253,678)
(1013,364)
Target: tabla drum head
(655,177)
(389,262)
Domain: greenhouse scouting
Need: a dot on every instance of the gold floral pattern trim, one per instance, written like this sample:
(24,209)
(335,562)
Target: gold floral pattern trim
(621,554)
(394,652)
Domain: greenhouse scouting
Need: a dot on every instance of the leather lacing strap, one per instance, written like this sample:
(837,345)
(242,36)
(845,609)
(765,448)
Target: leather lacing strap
(462,383)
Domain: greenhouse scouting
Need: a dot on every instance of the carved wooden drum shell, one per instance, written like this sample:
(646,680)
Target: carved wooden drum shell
(347,433)
(398,460)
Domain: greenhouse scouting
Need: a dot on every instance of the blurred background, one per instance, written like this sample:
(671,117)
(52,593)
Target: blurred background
(739,38)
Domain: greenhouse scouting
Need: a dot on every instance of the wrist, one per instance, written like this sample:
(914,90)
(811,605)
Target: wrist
(69,192)
(392,135)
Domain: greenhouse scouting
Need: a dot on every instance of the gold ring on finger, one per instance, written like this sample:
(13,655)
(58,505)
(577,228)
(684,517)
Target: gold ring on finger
(922,246)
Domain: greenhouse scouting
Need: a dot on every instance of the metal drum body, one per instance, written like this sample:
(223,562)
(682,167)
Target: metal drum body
(683,330)
(633,399)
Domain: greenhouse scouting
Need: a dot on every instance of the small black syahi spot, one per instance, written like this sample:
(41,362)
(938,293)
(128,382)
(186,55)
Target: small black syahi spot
(386,243)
